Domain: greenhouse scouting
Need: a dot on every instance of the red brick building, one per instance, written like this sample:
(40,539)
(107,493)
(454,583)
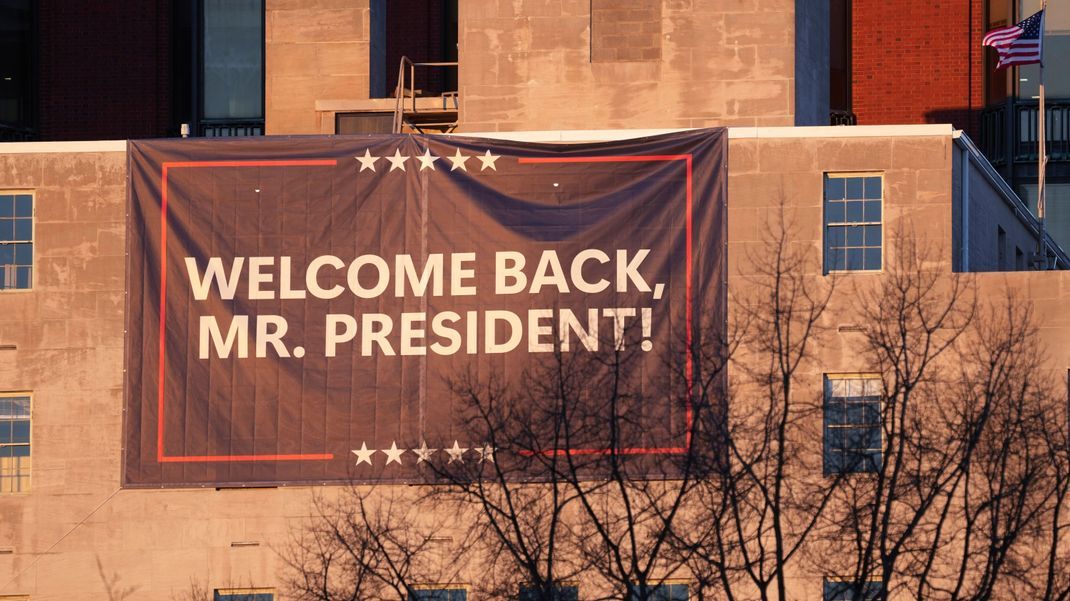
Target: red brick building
(918,61)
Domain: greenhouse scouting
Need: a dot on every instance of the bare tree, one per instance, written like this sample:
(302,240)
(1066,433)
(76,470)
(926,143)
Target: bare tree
(367,543)
(766,494)
(964,500)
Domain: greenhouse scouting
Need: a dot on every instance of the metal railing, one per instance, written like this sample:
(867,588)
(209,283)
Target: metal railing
(407,94)
(838,117)
(229,128)
(1009,131)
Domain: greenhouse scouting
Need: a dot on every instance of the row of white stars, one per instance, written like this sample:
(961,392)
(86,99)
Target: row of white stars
(393,454)
(427,160)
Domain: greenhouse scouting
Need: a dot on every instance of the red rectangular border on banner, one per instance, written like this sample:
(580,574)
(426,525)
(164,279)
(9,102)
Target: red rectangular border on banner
(688,374)
(160,456)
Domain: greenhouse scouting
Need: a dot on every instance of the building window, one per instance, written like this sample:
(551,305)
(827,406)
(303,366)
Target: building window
(447,593)
(16,241)
(218,57)
(845,591)
(1019,259)
(15,460)
(17,39)
(663,592)
(561,593)
(243,594)
(853,238)
(852,424)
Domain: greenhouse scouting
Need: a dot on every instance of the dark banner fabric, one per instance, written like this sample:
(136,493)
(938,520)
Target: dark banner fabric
(400,308)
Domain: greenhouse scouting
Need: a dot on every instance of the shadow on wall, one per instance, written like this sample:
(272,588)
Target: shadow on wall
(964,118)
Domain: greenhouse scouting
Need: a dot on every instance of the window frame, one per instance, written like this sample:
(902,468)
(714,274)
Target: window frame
(238,594)
(559,585)
(668,583)
(447,587)
(31,242)
(29,444)
(827,465)
(830,582)
(826,224)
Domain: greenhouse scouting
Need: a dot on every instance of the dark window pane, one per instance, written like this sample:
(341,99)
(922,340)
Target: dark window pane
(7,206)
(873,210)
(873,258)
(20,406)
(873,187)
(854,259)
(854,187)
(856,413)
(839,260)
(854,236)
(7,230)
(872,462)
(836,236)
(856,438)
(23,205)
(873,438)
(834,212)
(22,450)
(854,211)
(7,254)
(873,235)
(834,462)
(23,229)
(5,431)
(24,254)
(836,591)
(20,431)
(560,593)
(7,451)
(233,80)
(834,188)
(835,413)
(22,277)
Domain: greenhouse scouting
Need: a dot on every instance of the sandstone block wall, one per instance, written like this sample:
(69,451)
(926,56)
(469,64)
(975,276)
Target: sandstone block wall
(77,535)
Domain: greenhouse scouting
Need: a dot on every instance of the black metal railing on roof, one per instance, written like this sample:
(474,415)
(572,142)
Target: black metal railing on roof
(841,117)
(229,128)
(1009,130)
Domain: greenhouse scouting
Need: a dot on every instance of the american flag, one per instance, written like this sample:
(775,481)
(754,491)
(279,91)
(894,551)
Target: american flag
(1018,44)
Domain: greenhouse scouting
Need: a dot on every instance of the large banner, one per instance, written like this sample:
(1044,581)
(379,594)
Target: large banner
(377,308)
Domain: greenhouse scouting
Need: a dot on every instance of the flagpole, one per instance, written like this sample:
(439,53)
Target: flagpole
(1042,151)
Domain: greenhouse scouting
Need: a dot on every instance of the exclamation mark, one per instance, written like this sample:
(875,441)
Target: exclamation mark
(647,345)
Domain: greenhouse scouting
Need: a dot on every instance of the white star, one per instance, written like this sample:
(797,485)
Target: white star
(397,161)
(426,160)
(363,454)
(458,161)
(423,453)
(456,453)
(367,161)
(393,453)
(488,161)
(486,453)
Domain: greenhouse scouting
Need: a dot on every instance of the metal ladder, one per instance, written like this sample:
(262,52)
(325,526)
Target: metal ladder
(406,113)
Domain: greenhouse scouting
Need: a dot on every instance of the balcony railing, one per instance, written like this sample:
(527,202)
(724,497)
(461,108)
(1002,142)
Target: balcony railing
(228,128)
(1009,130)
(840,117)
